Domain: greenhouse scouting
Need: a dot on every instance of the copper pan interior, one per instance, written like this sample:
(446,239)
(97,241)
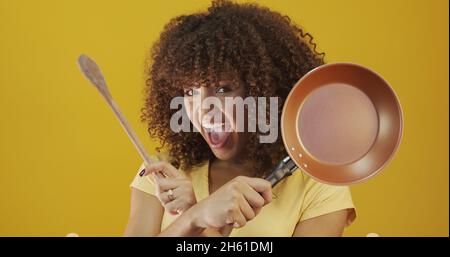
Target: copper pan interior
(341,123)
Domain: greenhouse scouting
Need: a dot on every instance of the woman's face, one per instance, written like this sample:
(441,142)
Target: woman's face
(221,134)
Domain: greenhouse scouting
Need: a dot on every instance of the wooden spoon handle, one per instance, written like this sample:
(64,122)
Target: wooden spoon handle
(130,132)
(92,72)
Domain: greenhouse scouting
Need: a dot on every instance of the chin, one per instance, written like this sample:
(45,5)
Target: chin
(224,155)
(229,151)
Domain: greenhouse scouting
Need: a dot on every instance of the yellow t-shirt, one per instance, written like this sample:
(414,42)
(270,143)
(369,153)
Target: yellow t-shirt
(296,198)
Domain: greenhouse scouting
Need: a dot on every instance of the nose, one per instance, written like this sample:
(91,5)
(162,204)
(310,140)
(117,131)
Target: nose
(205,113)
(203,110)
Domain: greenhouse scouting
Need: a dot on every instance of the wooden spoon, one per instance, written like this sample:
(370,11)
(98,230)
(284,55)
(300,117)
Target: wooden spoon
(93,73)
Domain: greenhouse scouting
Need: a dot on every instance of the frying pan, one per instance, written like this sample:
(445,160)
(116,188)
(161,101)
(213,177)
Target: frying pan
(341,124)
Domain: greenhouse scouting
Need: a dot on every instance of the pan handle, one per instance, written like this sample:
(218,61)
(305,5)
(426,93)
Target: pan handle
(283,169)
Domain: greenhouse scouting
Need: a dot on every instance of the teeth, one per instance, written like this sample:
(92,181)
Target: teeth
(212,126)
(217,129)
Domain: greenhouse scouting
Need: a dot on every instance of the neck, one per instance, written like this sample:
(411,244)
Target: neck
(236,167)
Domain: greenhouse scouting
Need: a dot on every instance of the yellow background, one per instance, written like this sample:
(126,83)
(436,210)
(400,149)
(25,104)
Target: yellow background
(65,163)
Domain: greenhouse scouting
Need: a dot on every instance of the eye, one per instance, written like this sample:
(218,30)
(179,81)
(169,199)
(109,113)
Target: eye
(223,89)
(190,92)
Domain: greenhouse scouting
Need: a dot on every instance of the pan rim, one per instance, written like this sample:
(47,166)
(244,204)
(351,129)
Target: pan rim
(399,132)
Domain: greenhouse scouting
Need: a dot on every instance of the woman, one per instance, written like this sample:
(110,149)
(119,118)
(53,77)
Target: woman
(210,182)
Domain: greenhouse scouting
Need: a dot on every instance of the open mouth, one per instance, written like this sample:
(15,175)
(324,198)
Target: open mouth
(217,134)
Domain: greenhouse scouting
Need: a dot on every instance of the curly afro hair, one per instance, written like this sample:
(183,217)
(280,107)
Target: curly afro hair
(248,43)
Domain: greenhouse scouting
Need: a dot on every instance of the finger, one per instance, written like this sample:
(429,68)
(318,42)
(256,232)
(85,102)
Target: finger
(238,220)
(156,176)
(156,167)
(226,230)
(156,179)
(252,197)
(165,184)
(175,207)
(261,186)
(151,170)
(246,209)
(166,168)
(164,196)
(257,210)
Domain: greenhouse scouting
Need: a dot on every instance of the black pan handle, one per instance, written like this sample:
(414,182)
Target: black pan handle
(283,169)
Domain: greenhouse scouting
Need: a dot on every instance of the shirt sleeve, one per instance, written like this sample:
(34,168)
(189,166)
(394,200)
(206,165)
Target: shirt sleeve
(322,199)
(144,184)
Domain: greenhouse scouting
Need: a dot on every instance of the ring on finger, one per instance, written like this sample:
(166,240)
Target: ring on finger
(170,195)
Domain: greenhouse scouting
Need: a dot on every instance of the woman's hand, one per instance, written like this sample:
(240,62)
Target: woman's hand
(235,203)
(174,190)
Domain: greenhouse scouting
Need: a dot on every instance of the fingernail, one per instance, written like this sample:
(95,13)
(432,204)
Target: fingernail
(141,173)
(235,225)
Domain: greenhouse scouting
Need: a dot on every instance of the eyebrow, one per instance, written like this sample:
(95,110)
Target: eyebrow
(221,83)
(229,83)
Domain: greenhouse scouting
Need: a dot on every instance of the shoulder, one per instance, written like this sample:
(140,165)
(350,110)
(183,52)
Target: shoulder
(313,198)
(298,181)
(145,184)
(308,185)
(321,198)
